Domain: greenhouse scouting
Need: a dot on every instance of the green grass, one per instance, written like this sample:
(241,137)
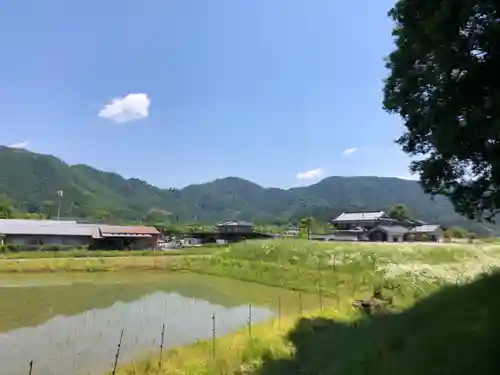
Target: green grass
(78,253)
(442,321)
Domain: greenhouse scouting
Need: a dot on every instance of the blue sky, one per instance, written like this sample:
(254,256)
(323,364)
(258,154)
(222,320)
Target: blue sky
(281,92)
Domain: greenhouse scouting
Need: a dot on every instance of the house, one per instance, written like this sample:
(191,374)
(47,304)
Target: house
(191,242)
(428,232)
(378,226)
(365,219)
(355,226)
(34,233)
(127,237)
(235,227)
(388,233)
(292,231)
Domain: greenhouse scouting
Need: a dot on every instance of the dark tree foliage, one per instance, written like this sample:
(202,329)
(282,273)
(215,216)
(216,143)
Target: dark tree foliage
(399,211)
(444,82)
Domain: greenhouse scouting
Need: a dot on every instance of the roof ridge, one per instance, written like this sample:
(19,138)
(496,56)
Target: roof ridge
(362,211)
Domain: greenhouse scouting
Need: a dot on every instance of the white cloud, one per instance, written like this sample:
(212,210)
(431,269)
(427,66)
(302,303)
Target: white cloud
(308,175)
(20,144)
(127,108)
(349,151)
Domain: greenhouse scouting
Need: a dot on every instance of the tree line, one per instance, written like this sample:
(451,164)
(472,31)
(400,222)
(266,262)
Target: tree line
(165,222)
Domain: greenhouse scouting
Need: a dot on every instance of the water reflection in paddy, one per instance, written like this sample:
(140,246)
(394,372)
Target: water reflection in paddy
(70,324)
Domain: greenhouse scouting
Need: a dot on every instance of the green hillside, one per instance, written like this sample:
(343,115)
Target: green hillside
(30,181)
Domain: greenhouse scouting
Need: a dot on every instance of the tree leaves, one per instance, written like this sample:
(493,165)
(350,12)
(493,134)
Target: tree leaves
(443,84)
(400,212)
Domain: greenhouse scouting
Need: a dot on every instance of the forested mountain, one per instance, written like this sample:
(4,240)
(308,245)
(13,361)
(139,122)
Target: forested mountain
(30,182)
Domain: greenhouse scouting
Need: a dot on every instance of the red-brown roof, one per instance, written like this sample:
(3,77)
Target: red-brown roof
(118,229)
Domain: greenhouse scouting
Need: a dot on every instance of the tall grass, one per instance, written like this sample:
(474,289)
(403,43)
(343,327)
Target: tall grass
(409,273)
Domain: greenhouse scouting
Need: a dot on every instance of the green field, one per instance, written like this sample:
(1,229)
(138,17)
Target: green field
(442,320)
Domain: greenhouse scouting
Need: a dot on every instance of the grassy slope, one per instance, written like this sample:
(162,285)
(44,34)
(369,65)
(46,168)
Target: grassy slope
(442,323)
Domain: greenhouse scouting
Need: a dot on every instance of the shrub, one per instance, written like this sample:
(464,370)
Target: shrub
(13,248)
(52,247)
(30,247)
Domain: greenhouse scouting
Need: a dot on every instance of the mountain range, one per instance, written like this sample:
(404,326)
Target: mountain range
(30,181)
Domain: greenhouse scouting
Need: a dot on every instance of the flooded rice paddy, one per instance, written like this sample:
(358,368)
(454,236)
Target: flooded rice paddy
(70,324)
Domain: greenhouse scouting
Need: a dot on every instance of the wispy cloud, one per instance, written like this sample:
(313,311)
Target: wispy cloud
(127,108)
(349,151)
(20,144)
(309,175)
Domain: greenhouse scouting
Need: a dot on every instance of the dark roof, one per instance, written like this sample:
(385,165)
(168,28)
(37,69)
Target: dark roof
(235,223)
(392,229)
(360,216)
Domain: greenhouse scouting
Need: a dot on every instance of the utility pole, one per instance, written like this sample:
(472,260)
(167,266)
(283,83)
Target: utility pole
(60,194)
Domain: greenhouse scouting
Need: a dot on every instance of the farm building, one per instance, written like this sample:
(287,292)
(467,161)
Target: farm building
(127,237)
(32,234)
(428,232)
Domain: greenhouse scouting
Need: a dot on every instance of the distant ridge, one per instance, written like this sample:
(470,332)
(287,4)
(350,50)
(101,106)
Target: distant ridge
(30,181)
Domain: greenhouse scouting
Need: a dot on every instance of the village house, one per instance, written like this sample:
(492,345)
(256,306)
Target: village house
(367,220)
(235,227)
(378,226)
(355,226)
(291,231)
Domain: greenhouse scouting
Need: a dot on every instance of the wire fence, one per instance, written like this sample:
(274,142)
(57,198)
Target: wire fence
(158,342)
(303,300)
